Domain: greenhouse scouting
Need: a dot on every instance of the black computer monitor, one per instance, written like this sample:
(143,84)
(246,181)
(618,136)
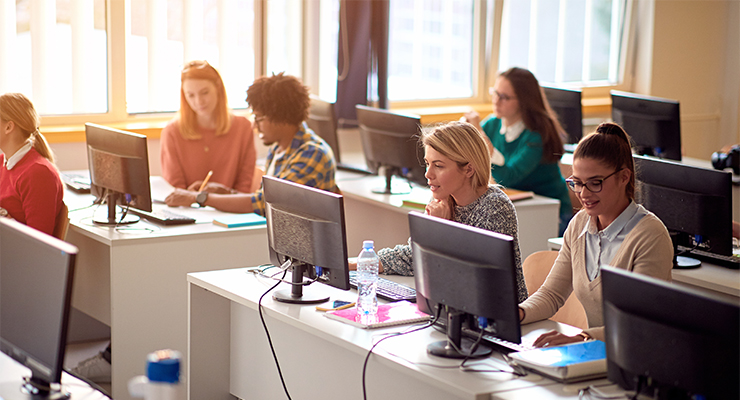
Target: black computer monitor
(653,123)
(684,341)
(36,272)
(119,171)
(567,105)
(306,226)
(322,119)
(695,204)
(391,140)
(472,273)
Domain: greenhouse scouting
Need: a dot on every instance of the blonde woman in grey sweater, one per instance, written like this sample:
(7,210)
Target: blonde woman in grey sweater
(611,229)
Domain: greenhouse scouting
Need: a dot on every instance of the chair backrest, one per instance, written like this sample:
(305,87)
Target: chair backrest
(536,267)
(323,121)
(61,223)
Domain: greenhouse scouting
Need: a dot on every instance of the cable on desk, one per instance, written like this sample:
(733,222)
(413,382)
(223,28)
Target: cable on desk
(267,332)
(367,357)
(91,384)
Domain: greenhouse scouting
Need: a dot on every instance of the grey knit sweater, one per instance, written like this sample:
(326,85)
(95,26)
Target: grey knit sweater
(492,211)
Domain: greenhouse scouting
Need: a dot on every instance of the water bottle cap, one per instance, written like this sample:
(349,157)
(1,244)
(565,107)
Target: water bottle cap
(368,244)
(163,366)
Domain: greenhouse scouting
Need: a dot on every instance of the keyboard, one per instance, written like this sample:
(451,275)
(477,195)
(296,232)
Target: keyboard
(387,289)
(163,217)
(732,262)
(76,182)
(504,345)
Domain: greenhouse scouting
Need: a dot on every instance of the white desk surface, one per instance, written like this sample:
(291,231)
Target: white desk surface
(134,278)
(404,356)
(12,373)
(709,276)
(382,217)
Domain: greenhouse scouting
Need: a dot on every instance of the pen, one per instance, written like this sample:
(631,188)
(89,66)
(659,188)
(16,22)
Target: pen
(205,181)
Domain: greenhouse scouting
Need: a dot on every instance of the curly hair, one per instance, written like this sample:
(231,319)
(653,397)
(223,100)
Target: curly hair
(281,98)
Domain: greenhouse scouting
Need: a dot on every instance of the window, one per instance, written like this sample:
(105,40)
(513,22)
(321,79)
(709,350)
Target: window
(430,52)
(571,42)
(55,52)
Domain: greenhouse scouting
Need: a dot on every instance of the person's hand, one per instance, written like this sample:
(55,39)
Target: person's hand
(555,338)
(211,187)
(439,208)
(471,117)
(180,197)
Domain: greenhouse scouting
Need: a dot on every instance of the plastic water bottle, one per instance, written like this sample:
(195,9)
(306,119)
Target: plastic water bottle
(162,377)
(367,279)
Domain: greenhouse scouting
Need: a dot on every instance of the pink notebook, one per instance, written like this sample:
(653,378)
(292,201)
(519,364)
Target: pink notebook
(398,313)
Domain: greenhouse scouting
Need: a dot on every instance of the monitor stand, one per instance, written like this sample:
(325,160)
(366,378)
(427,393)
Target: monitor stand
(296,293)
(31,389)
(393,186)
(115,218)
(457,346)
(682,262)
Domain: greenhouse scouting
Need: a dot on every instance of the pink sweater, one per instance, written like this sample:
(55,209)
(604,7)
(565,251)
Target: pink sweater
(31,192)
(231,157)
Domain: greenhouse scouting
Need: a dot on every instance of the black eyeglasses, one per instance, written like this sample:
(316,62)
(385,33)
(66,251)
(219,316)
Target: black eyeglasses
(593,185)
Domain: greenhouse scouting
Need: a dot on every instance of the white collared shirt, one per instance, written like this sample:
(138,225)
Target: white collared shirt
(511,133)
(11,161)
(603,245)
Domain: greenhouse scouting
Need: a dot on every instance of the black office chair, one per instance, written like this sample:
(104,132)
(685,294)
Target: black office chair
(323,120)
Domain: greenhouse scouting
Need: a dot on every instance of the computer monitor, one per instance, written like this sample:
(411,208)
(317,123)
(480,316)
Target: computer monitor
(323,121)
(36,273)
(653,123)
(119,168)
(566,103)
(681,340)
(391,140)
(695,204)
(305,226)
(472,273)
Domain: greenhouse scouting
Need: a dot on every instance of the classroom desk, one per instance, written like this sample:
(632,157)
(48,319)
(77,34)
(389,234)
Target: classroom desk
(382,217)
(716,279)
(135,280)
(12,373)
(320,358)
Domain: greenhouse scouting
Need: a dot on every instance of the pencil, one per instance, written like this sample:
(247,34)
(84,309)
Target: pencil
(319,308)
(205,181)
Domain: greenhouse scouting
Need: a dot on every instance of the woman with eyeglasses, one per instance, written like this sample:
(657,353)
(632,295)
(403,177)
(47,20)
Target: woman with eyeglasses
(524,138)
(611,229)
(206,136)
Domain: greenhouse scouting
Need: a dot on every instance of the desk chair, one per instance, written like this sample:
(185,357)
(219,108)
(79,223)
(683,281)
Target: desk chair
(536,267)
(323,120)
(61,223)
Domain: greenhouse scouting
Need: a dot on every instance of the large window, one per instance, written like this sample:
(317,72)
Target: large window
(568,42)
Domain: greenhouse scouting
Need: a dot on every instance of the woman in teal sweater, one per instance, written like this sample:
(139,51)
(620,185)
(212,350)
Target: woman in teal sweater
(525,139)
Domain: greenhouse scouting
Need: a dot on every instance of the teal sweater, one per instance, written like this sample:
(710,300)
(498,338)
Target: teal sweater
(523,168)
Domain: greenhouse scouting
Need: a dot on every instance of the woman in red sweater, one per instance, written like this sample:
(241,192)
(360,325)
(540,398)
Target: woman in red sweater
(206,136)
(30,189)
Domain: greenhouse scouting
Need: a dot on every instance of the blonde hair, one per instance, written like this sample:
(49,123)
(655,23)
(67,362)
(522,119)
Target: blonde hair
(463,144)
(18,108)
(222,114)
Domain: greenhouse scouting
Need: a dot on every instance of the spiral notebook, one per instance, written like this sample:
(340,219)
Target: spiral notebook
(397,313)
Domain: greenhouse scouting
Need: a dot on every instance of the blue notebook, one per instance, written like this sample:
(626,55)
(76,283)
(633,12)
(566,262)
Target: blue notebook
(568,363)
(238,220)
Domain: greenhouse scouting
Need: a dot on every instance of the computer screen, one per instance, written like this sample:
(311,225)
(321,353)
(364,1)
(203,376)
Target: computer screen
(695,204)
(653,123)
(306,226)
(119,167)
(684,341)
(472,273)
(36,272)
(567,105)
(323,121)
(391,140)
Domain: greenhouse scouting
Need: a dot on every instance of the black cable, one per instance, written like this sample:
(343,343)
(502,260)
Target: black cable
(267,332)
(92,384)
(367,357)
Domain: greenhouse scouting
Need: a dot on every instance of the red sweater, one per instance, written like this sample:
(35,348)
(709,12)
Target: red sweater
(31,192)
(231,157)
